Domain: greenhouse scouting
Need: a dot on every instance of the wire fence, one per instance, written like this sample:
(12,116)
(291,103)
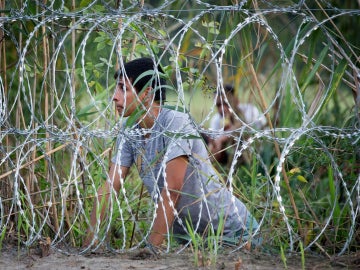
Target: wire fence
(291,60)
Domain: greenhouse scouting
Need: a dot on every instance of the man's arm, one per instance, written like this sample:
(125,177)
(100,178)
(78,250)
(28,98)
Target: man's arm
(104,193)
(175,174)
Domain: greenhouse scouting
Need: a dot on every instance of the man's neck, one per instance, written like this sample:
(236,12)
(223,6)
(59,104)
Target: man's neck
(150,116)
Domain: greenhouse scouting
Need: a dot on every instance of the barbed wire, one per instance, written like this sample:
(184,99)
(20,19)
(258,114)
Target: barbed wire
(58,125)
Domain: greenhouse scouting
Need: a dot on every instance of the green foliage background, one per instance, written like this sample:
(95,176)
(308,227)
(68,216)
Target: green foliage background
(297,61)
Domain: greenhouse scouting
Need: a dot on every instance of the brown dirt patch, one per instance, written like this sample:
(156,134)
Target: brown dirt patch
(35,258)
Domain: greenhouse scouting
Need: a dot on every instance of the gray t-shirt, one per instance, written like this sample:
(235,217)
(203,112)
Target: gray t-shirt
(204,198)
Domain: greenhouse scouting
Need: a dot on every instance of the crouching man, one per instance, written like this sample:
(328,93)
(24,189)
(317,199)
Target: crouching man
(173,164)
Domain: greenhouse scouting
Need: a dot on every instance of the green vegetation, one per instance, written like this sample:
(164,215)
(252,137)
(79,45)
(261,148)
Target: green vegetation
(298,65)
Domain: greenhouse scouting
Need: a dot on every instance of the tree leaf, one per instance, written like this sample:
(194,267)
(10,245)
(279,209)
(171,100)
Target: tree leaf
(301,178)
(315,68)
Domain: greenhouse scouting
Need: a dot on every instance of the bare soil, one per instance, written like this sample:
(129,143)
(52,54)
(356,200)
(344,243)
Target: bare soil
(51,258)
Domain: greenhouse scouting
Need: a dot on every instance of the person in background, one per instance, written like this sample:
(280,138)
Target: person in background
(173,164)
(226,120)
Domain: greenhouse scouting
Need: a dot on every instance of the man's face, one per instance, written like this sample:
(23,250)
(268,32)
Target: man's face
(125,97)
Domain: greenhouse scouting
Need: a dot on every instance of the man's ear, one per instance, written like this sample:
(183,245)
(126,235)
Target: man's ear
(146,94)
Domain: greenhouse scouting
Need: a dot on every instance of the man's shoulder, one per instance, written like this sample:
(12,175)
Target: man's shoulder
(247,106)
(171,113)
(175,120)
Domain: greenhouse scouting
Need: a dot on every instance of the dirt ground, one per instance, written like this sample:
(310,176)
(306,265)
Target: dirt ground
(51,258)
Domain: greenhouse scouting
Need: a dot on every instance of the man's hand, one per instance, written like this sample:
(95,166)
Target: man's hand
(102,201)
(88,239)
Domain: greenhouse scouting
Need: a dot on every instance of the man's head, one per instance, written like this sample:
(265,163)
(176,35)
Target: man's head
(229,89)
(221,105)
(142,73)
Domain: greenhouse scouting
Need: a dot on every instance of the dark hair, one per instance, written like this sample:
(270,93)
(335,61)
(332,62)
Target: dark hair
(229,89)
(135,68)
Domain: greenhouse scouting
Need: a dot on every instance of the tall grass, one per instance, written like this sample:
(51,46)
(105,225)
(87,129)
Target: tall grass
(59,126)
